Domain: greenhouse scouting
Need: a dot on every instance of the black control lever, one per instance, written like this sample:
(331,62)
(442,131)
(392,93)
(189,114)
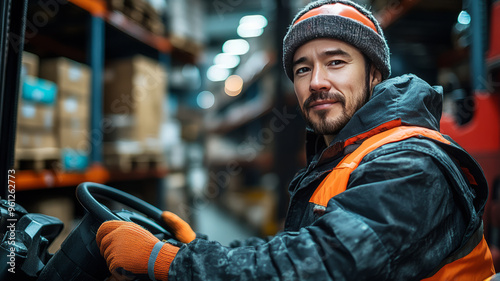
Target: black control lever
(34,232)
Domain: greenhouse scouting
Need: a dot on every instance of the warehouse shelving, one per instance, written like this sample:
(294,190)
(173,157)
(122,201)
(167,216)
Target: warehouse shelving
(125,25)
(84,36)
(95,7)
(248,110)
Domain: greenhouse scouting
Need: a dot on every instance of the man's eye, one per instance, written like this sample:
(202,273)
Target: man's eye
(336,62)
(301,70)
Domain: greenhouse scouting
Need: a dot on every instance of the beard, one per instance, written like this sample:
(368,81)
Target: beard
(332,125)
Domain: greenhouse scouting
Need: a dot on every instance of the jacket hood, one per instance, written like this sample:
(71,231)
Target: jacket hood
(402,100)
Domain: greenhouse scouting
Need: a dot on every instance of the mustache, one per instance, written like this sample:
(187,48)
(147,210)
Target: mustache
(323,95)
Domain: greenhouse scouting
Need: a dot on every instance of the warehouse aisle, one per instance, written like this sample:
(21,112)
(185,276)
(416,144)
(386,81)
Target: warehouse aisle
(219,225)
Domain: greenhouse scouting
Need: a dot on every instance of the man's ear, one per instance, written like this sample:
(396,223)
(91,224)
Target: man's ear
(375,76)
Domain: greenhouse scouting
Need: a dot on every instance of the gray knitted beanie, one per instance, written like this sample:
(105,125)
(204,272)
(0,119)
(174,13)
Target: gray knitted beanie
(342,20)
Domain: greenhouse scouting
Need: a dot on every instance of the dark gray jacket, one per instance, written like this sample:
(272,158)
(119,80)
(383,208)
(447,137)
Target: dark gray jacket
(407,206)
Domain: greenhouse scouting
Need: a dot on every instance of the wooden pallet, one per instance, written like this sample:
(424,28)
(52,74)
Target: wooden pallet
(135,157)
(37,159)
(134,162)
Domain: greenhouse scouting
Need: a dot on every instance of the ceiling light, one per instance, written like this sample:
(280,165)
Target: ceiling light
(251,26)
(236,47)
(205,99)
(464,18)
(255,21)
(233,85)
(216,73)
(226,60)
(247,32)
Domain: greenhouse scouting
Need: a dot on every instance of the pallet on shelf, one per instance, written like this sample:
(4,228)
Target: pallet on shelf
(126,160)
(37,159)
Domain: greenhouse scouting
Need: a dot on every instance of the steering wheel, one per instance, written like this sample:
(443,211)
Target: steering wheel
(85,194)
(79,257)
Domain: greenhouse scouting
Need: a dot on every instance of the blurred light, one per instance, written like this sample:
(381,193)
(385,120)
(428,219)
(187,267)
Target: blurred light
(256,21)
(216,73)
(464,18)
(205,99)
(225,60)
(233,85)
(251,26)
(236,47)
(246,32)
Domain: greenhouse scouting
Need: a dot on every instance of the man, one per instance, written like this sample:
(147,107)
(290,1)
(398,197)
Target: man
(384,196)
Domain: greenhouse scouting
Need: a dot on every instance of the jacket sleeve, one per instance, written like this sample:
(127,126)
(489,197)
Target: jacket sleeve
(396,221)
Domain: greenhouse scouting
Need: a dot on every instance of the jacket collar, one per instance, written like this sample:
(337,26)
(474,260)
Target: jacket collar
(403,100)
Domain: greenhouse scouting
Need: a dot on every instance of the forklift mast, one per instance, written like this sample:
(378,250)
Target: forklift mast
(12,27)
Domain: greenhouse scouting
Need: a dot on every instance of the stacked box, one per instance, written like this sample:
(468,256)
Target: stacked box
(133,97)
(35,125)
(72,114)
(36,106)
(36,146)
(140,11)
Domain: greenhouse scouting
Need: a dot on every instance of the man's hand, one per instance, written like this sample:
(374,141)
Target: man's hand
(131,251)
(179,228)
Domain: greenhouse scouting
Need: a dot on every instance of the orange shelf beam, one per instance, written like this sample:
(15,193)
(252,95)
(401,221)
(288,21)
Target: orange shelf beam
(99,8)
(28,180)
(95,7)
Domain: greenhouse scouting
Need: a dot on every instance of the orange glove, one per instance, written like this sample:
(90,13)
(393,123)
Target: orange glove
(131,251)
(179,228)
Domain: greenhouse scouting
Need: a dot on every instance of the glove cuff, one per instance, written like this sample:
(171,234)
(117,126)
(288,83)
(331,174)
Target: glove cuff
(160,259)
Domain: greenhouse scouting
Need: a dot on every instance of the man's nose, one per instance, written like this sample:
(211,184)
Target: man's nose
(319,81)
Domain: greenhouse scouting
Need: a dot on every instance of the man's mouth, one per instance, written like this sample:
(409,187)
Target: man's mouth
(321,104)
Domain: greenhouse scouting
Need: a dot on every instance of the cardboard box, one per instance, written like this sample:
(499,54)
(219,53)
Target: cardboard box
(31,138)
(149,118)
(74,139)
(38,90)
(35,115)
(73,112)
(30,64)
(70,76)
(132,81)
(136,87)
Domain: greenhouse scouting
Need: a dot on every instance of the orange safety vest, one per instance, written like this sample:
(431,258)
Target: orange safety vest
(471,262)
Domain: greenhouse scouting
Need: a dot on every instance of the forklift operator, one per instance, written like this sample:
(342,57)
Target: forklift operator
(384,195)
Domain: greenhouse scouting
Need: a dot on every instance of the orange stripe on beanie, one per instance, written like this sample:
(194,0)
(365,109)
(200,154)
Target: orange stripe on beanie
(342,20)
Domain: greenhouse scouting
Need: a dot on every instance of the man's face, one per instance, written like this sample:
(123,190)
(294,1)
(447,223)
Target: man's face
(330,81)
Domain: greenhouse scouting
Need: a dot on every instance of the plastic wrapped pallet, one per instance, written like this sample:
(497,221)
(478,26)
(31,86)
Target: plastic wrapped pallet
(72,114)
(36,144)
(35,118)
